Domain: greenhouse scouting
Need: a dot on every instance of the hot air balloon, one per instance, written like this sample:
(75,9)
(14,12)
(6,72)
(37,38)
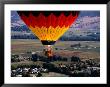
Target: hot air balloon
(48,26)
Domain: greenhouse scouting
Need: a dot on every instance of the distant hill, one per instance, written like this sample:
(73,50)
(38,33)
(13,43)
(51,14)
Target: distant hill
(86,27)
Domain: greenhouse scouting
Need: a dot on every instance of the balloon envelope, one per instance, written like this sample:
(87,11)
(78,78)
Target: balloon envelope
(48,26)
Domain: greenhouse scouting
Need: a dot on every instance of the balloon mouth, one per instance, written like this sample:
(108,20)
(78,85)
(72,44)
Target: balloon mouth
(48,42)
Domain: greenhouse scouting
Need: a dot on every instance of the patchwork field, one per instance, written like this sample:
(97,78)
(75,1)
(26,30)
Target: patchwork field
(88,49)
(85,50)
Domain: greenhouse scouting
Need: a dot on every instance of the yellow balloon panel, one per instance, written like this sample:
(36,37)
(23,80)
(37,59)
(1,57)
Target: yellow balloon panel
(51,34)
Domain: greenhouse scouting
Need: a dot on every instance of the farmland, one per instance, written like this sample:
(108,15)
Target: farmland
(85,50)
(88,50)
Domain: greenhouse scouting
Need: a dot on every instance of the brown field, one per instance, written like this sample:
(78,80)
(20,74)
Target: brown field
(63,48)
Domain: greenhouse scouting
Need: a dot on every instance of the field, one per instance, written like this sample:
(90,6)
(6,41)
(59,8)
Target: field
(85,50)
(88,49)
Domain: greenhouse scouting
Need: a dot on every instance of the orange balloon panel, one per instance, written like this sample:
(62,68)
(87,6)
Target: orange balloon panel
(50,34)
